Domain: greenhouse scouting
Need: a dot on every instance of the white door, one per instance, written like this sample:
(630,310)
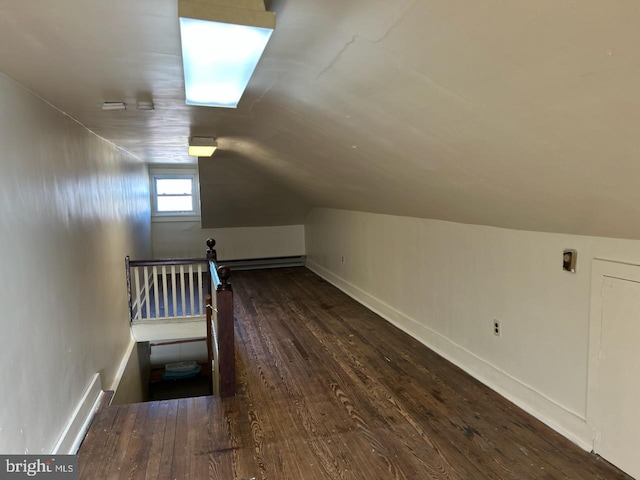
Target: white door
(614,392)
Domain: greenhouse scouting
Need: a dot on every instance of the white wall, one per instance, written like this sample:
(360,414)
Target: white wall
(161,354)
(71,207)
(133,386)
(174,239)
(444,283)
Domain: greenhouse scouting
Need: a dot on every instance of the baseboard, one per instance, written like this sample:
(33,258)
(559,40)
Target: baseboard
(569,424)
(259,263)
(77,426)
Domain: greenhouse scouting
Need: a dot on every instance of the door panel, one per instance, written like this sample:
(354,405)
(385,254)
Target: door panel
(617,378)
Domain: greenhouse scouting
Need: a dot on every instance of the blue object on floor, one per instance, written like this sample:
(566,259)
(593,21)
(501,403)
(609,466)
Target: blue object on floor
(181,370)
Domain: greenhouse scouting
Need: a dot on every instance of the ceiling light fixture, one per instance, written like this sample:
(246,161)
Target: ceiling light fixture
(114,106)
(202,146)
(148,106)
(221,46)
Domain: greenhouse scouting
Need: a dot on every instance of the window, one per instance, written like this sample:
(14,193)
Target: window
(174,194)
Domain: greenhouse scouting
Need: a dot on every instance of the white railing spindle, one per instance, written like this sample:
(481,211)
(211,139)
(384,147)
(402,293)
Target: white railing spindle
(192,310)
(182,292)
(165,293)
(156,299)
(146,292)
(173,291)
(200,290)
(137,309)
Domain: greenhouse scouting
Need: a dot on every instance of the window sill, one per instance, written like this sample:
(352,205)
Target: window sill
(175,218)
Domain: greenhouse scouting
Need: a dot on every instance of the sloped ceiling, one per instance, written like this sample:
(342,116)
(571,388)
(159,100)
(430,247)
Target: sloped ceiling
(520,114)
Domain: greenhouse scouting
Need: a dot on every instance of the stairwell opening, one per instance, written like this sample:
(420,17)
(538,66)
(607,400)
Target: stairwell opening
(161,370)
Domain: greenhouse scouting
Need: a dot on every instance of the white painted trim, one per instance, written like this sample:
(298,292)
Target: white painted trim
(170,320)
(169,328)
(123,365)
(571,425)
(176,218)
(77,426)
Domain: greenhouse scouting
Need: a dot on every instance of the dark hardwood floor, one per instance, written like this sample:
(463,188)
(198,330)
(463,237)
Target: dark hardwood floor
(329,390)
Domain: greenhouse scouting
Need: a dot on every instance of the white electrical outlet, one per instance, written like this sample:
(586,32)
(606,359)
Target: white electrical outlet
(496,327)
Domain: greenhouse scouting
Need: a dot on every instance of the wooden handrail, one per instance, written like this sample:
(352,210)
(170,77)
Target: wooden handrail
(127,266)
(167,262)
(161,343)
(215,278)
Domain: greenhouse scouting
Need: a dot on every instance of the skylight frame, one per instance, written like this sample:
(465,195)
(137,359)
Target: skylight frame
(217,71)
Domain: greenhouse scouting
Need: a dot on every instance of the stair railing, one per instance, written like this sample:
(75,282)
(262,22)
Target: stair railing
(168,289)
(220,327)
(184,289)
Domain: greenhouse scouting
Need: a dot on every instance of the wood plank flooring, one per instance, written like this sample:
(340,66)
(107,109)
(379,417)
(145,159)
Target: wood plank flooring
(329,390)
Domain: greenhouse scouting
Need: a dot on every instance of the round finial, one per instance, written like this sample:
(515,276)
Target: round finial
(211,243)
(224,273)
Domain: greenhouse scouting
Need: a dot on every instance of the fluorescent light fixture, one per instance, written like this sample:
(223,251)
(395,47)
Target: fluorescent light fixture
(221,47)
(148,106)
(114,106)
(202,146)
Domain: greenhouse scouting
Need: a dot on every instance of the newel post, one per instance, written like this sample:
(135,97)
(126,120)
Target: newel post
(209,309)
(226,342)
(211,251)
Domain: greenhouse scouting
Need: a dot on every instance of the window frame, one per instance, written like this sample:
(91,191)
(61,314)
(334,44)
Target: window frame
(181,174)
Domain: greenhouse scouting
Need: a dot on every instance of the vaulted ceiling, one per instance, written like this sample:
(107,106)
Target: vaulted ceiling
(520,114)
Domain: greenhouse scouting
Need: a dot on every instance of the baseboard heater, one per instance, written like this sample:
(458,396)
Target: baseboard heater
(258,263)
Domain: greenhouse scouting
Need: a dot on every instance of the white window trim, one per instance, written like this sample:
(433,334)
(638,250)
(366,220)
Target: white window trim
(160,173)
